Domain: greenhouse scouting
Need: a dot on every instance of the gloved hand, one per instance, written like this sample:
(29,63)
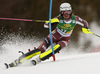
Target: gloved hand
(86,30)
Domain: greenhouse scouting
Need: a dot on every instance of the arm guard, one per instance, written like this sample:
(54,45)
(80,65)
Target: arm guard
(53,22)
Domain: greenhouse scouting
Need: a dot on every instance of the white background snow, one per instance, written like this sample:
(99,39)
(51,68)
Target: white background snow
(74,62)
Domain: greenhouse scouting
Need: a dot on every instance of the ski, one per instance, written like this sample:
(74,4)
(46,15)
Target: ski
(32,61)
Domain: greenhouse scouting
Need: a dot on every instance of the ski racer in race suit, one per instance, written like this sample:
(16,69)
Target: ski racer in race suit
(65,23)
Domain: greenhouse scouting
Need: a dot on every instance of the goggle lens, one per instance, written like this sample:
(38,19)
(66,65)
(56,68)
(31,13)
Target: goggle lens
(66,12)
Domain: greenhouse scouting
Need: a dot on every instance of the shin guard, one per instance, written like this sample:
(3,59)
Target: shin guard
(48,53)
(29,55)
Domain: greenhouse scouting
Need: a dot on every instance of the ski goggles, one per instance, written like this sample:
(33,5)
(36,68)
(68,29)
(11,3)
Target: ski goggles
(66,12)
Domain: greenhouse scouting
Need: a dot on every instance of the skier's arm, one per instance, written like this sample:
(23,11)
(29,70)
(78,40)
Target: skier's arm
(81,22)
(54,22)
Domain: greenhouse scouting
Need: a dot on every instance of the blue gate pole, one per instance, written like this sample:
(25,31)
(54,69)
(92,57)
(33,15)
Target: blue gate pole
(50,11)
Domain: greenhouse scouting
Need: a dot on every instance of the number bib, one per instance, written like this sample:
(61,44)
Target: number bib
(66,28)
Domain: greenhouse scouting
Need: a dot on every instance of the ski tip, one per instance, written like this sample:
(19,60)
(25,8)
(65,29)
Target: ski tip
(6,65)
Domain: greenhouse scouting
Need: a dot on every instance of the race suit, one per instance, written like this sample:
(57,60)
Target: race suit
(63,31)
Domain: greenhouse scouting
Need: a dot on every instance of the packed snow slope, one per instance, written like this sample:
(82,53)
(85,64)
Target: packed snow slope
(73,64)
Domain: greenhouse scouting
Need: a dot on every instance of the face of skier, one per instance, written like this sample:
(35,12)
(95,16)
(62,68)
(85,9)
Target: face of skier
(66,14)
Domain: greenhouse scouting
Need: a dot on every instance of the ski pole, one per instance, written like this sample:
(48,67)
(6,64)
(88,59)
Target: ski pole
(22,19)
(96,35)
(86,31)
(50,10)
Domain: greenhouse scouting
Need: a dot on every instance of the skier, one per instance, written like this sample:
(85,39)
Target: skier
(65,23)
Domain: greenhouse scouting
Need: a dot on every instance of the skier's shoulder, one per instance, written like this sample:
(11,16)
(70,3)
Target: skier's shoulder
(78,18)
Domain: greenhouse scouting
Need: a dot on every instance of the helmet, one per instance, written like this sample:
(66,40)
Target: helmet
(65,7)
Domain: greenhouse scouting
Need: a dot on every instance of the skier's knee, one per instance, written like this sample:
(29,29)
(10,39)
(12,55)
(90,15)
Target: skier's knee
(47,41)
(45,44)
(63,43)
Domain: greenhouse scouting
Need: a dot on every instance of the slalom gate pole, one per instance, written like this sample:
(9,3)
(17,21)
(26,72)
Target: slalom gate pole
(50,11)
(21,19)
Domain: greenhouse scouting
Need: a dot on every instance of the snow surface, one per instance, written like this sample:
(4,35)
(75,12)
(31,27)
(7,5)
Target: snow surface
(74,64)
